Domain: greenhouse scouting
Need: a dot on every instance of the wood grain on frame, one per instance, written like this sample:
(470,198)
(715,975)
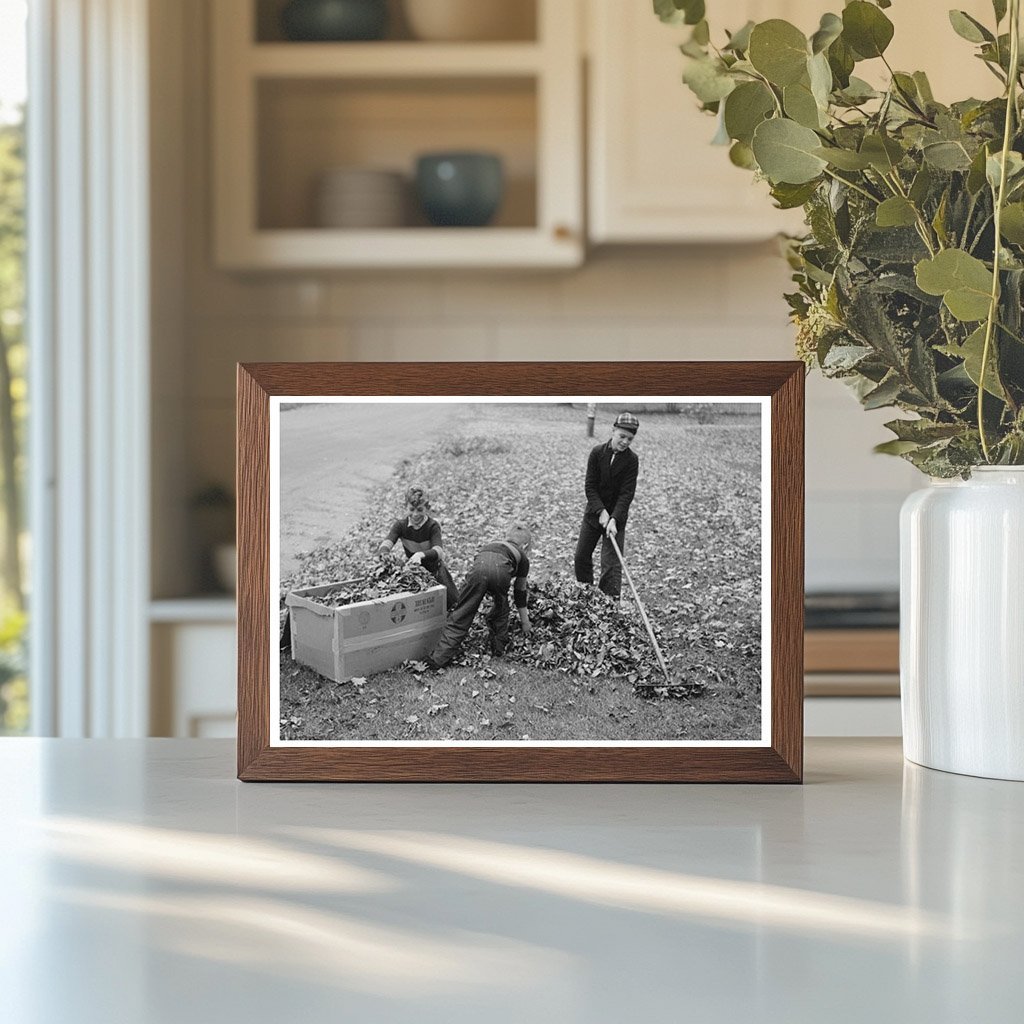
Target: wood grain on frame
(782,761)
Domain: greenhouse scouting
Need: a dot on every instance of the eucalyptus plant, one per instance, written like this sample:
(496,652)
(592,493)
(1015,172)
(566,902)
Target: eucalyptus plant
(910,278)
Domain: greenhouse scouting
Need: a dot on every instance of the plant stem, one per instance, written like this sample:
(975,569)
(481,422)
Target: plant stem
(768,85)
(1012,334)
(922,225)
(855,187)
(993,308)
(981,231)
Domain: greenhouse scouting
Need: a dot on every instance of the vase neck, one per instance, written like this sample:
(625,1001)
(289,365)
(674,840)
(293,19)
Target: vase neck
(989,475)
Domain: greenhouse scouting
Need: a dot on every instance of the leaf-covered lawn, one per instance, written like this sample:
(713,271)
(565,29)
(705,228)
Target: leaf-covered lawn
(693,547)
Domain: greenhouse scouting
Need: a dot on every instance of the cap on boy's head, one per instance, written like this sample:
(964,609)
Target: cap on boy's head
(627,421)
(416,497)
(520,535)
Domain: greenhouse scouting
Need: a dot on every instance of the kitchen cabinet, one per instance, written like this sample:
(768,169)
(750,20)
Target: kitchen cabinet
(193,656)
(852,682)
(653,175)
(287,113)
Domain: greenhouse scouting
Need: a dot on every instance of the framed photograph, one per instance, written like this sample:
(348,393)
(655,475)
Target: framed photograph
(518,572)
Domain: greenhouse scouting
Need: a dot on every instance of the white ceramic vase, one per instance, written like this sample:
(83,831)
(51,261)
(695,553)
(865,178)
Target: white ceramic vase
(962,624)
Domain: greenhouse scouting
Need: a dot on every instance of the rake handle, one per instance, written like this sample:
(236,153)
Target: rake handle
(639,604)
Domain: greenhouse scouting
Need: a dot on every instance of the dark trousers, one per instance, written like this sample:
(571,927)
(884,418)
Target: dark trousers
(440,572)
(591,532)
(490,574)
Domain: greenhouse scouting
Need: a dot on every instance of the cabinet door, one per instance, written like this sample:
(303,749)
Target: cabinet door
(653,174)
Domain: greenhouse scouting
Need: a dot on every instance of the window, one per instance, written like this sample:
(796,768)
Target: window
(14,549)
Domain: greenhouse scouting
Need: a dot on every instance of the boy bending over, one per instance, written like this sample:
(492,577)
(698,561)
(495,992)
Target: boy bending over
(494,568)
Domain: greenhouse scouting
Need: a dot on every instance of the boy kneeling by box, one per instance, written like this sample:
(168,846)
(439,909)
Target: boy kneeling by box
(421,541)
(494,568)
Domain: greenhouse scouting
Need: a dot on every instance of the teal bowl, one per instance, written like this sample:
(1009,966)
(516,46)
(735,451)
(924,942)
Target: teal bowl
(461,190)
(332,21)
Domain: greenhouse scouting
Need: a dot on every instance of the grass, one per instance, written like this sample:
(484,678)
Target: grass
(693,545)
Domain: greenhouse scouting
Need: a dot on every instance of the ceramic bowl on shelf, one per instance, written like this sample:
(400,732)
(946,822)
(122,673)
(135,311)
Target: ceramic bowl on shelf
(334,20)
(460,189)
(361,198)
(471,20)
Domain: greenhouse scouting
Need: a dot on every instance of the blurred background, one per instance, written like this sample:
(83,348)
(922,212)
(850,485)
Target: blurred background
(215,181)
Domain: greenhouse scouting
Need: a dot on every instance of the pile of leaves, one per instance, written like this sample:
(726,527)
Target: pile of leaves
(911,278)
(579,631)
(385,579)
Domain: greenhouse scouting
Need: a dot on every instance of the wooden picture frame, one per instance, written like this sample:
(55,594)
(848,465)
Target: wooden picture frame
(776,756)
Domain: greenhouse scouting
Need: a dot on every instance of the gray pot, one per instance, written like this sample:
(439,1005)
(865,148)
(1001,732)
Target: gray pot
(334,20)
(460,189)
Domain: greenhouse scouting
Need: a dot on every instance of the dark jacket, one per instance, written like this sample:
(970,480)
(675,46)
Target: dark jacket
(611,485)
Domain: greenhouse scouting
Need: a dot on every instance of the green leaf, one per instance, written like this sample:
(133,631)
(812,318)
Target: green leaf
(1014,169)
(1011,226)
(866,29)
(800,105)
(883,153)
(841,60)
(968,28)
(820,75)
(701,33)
(830,28)
(789,197)
(921,185)
(939,220)
(742,155)
(923,431)
(946,156)
(739,41)
(667,11)
(676,12)
(896,212)
(963,281)
(844,159)
(745,108)
(785,152)
(859,91)
(708,81)
(895,447)
(906,89)
(924,88)
(971,352)
(999,7)
(694,11)
(885,394)
(976,174)
(778,50)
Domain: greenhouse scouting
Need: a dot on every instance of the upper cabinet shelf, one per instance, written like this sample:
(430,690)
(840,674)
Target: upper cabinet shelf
(394,59)
(316,144)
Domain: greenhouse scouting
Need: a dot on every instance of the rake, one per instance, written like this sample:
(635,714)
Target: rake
(639,604)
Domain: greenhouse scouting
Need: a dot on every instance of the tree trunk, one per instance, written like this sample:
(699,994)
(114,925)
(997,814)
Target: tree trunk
(11,490)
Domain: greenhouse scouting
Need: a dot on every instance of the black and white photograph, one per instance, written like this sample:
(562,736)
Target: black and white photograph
(520,570)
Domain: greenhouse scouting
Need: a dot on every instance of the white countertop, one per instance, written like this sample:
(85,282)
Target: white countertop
(143,885)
